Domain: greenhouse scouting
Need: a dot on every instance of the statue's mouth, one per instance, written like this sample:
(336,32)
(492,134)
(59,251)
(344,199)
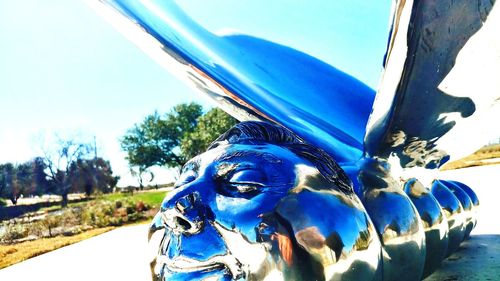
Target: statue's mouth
(185,264)
(241,258)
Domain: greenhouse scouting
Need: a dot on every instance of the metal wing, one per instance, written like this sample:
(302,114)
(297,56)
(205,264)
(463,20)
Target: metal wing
(440,94)
(255,79)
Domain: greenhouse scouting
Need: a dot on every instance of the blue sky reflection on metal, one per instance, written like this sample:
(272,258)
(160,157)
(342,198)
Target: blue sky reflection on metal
(325,106)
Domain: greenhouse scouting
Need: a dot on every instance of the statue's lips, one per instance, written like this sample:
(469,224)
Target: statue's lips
(185,264)
(240,258)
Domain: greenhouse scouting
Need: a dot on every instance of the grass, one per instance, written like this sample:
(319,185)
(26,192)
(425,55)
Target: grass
(487,155)
(12,254)
(153,198)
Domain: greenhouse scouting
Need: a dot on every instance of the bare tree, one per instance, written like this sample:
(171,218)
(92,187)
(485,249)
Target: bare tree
(59,160)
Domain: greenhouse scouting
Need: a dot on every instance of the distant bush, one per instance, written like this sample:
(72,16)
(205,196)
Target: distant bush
(140,206)
(13,231)
(104,213)
(52,222)
(3,202)
(98,213)
(118,204)
(71,217)
(36,228)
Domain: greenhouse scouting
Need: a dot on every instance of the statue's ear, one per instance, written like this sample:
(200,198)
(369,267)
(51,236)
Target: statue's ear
(327,224)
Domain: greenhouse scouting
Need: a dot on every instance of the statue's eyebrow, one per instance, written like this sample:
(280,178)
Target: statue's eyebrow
(230,155)
(193,164)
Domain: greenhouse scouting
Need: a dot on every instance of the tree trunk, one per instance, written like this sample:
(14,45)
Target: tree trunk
(141,186)
(180,162)
(64,201)
(88,189)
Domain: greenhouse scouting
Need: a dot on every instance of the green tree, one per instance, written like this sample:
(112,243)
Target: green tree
(105,181)
(42,184)
(7,185)
(172,139)
(210,126)
(24,183)
(90,174)
(156,141)
(16,180)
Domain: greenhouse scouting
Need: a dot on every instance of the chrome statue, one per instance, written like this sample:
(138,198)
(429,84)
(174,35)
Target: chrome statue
(324,179)
(261,204)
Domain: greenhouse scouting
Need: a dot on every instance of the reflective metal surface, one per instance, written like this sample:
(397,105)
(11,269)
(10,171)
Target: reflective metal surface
(468,190)
(261,204)
(454,213)
(256,79)
(423,104)
(243,210)
(472,195)
(437,86)
(434,222)
(256,208)
(396,219)
(475,201)
(466,203)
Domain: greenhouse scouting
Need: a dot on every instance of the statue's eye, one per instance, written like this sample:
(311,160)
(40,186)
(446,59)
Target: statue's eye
(249,176)
(185,178)
(244,183)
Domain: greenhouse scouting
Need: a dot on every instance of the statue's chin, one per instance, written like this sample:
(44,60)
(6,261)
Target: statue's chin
(219,267)
(220,274)
(216,263)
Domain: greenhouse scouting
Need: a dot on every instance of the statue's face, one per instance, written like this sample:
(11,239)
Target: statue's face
(229,217)
(222,198)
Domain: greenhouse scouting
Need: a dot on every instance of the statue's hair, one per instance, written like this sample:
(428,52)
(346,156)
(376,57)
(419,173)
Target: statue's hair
(255,132)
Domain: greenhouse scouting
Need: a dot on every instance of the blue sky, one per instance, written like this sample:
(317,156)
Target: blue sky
(63,69)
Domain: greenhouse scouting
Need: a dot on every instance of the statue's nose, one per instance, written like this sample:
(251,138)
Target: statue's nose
(185,215)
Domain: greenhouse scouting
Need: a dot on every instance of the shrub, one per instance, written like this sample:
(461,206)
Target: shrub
(98,214)
(13,231)
(50,222)
(36,229)
(130,210)
(120,212)
(71,217)
(118,204)
(3,202)
(134,217)
(139,206)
